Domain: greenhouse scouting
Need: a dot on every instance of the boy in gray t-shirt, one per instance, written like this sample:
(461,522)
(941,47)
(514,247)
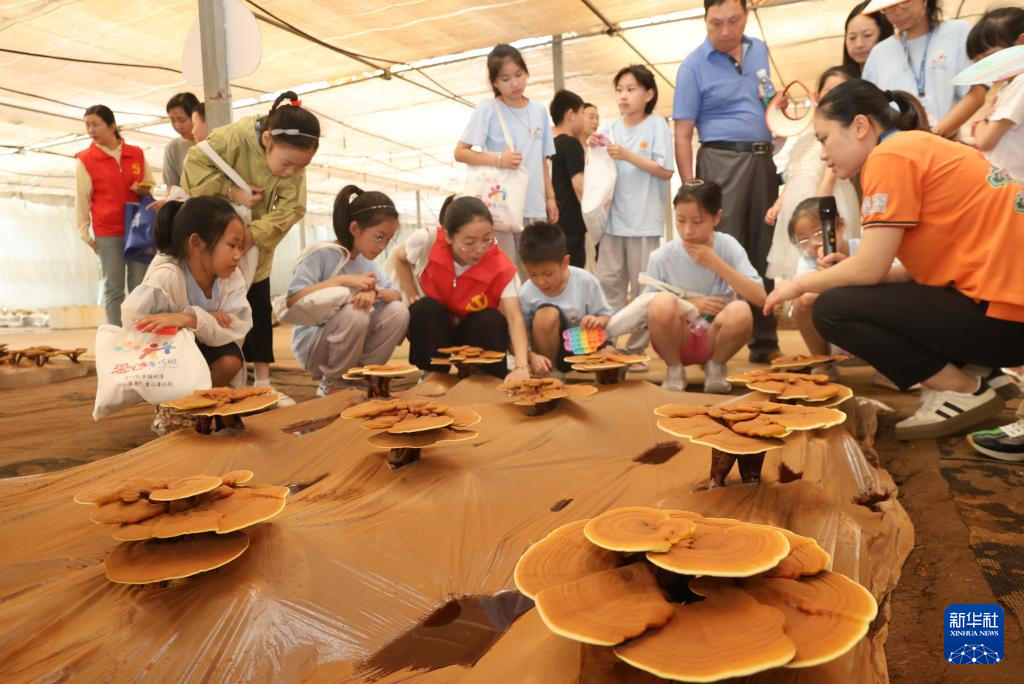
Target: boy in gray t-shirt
(556,297)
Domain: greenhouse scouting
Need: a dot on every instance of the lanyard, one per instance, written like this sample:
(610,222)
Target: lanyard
(919,77)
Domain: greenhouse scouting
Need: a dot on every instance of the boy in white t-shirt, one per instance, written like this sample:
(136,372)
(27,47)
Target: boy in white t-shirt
(1001,134)
(557,296)
(720,281)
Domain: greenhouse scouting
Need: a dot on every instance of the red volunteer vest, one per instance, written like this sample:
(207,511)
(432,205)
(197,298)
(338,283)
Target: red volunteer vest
(479,288)
(110,186)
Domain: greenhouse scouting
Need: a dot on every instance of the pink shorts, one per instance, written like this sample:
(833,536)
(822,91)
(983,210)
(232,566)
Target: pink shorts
(695,350)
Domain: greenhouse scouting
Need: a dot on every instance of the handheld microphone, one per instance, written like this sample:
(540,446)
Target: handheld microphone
(828,213)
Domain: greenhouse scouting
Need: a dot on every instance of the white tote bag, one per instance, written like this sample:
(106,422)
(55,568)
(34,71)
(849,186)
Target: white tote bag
(502,190)
(316,307)
(599,177)
(133,366)
(244,212)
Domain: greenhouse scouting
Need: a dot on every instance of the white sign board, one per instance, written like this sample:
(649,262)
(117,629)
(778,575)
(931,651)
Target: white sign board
(245,48)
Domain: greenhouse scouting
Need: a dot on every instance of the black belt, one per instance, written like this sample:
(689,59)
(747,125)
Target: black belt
(754,147)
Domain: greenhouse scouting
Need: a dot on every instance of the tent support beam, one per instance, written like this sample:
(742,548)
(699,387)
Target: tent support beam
(214,46)
(557,64)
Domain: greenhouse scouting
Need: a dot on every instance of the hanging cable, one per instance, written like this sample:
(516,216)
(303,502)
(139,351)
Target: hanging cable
(363,59)
(72,105)
(613,30)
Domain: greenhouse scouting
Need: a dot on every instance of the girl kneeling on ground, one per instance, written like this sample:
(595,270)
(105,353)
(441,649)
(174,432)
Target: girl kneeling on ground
(367,329)
(463,289)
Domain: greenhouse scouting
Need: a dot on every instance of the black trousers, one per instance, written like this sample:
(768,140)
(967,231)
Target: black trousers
(576,246)
(430,327)
(259,343)
(910,332)
(750,186)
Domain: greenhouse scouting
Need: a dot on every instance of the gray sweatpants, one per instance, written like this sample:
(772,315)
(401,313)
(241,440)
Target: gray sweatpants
(619,266)
(112,270)
(750,186)
(355,338)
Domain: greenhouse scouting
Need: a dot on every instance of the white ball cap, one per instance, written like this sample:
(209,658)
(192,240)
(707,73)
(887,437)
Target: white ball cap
(877,5)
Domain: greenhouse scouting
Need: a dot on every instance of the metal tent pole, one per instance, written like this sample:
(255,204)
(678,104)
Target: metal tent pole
(213,39)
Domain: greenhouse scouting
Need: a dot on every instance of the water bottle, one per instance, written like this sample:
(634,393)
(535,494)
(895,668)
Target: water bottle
(765,89)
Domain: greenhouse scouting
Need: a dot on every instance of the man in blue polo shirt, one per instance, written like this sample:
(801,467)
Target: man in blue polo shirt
(717,92)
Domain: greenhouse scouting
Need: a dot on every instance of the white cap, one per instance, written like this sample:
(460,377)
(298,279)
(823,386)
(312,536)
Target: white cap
(876,5)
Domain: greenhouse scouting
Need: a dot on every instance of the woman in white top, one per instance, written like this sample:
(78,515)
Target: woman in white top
(923,59)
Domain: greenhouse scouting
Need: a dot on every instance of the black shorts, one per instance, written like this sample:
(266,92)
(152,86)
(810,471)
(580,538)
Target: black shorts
(259,343)
(211,354)
(563,325)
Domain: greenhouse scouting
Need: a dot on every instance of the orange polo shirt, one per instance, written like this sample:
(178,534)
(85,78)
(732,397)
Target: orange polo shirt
(963,220)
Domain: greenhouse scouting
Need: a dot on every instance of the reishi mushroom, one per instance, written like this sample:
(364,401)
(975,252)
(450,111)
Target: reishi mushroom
(638,528)
(565,554)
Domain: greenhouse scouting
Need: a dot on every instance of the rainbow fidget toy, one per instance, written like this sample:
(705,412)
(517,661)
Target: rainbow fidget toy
(580,341)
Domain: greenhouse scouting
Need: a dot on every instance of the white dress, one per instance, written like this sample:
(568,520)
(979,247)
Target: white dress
(803,174)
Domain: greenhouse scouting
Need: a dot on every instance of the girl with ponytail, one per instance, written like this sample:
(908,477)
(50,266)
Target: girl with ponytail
(194,282)
(270,153)
(370,325)
(954,222)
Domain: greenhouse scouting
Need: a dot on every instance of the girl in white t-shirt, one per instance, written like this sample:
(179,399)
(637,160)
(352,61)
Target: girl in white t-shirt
(532,143)
(1001,134)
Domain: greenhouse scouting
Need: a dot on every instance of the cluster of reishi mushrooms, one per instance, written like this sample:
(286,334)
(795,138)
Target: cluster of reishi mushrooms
(608,367)
(378,377)
(178,527)
(38,355)
(407,426)
(222,407)
(633,578)
(540,395)
(467,359)
(805,388)
(799,362)
(746,429)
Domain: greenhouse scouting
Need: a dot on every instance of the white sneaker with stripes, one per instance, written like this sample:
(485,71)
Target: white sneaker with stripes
(945,413)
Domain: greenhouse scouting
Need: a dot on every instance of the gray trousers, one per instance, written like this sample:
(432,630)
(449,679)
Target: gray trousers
(355,338)
(112,269)
(622,261)
(750,186)
(509,244)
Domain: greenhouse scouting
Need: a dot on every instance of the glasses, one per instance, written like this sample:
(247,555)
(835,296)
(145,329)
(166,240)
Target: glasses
(816,239)
(474,245)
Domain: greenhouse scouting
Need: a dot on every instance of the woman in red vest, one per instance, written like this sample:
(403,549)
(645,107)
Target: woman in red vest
(463,290)
(107,176)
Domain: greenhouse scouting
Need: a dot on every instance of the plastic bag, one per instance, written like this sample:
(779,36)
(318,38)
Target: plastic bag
(133,366)
(599,178)
(139,222)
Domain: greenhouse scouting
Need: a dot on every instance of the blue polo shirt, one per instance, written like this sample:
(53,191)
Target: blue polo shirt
(723,102)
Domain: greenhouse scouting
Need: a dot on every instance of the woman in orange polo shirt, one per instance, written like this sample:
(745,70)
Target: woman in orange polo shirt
(955,224)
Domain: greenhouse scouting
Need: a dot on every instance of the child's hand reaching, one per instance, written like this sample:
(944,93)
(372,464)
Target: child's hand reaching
(591,322)
(363,301)
(363,281)
(539,363)
(619,152)
(708,306)
(240,196)
(223,319)
(166,320)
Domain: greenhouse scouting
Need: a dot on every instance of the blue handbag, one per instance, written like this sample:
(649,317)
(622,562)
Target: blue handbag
(139,223)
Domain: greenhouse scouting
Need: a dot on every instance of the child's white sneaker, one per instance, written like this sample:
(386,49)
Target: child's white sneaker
(714,378)
(675,379)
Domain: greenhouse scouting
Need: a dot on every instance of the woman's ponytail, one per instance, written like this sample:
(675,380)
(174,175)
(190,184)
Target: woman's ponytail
(163,233)
(857,97)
